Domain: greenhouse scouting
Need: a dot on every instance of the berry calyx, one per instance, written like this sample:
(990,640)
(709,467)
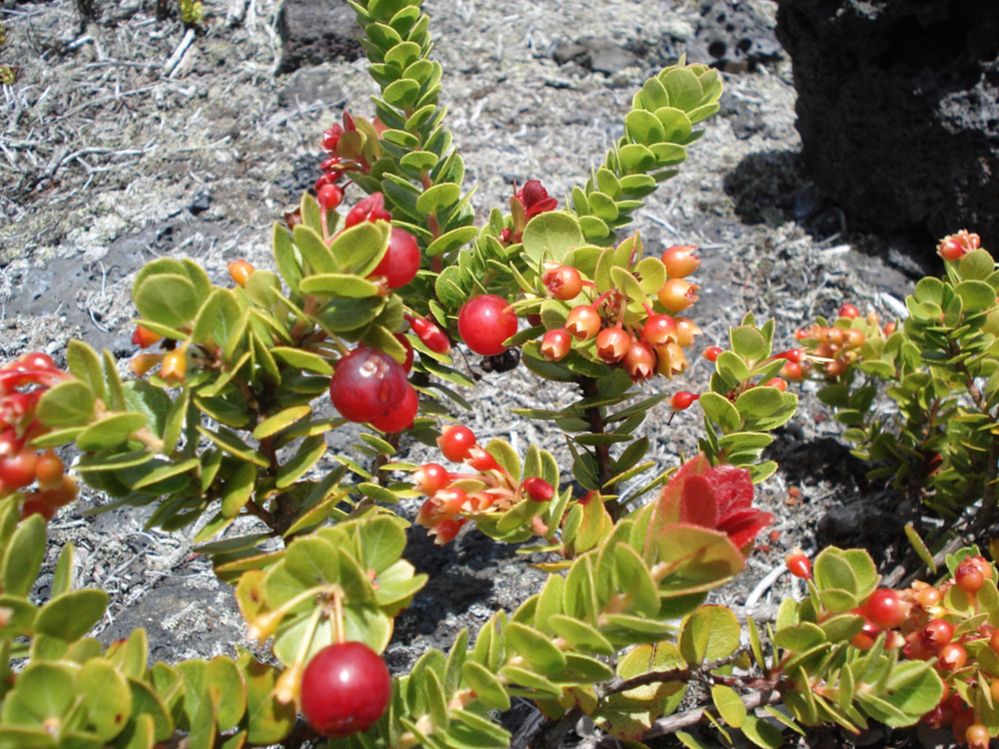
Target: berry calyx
(456,442)
(583,322)
(485,322)
(401,417)
(367,384)
(799,565)
(556,344)
(677,294)
(613,344)
(563,282)
(329,196)
(143,337)
(711,353)
(886,608)
(345,689)
(431,478)
(683,400)
(938,632)
(239,271)
(430,335)
(401,261)
(538,490)
(681,260)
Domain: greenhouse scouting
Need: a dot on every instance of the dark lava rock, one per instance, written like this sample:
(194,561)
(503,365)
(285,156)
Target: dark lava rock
(316,31)
(733,37)
(201,203)
(599,55)
(898,109)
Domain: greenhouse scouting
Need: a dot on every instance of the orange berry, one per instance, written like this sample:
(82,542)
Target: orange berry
(677,294)
(49,469)
(681,260)
(174,366)
(240,271)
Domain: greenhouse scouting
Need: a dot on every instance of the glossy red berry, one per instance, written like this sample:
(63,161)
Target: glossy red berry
(682,400)
(849,310)
(367,384)
(711,353)
(792,371)
(372,208)
(345,689)
(886,608)
(583,322)
(556,344)
(430,335)
(658,329)
(456,442)
(407,363)
(799,565)
(485,322)
(950,248)
(329,196)
(18,471)
(613,344)
(563,282)
(401,261)
(481,460)
(938,632)
(401,417)
(952,656)
(538,490)
(431,478)
(681,260)
(968,576)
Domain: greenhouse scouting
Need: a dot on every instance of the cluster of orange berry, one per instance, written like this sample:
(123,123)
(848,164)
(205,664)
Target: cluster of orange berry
(453,497)
(654,345)
(834,347)
(22,384)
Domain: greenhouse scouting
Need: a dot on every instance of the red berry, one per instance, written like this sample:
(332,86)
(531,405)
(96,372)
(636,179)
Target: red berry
(613,344)
(456,442)
(49,469)
(480,460)
(143,337)
(345,689)
(556,344)
(329,196)
(564,282)
(37,506)
(968,576)
(952,656)
(401,417)
(583,322)
(367,384)
(950,248)
(938,632)
(431,478)
(792,371)
(849,310)
(18,471)
(799,565)
(407,363)
(682,400)
(711,353)
(795,355)
(776,382)
(681,260)
(886,608)
(485,322)
(240,271)
(372,208)
(640,361)
(538,490)
(60,495)
(677,294)
(659,329)
(430,334)
(401,260)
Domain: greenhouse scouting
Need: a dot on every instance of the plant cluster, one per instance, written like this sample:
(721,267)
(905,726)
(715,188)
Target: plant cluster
(237,385)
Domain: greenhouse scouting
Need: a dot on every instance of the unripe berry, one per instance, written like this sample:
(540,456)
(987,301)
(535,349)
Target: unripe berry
(792,371)
(345,689)
(485,322)
(142,363)
(855,338)
(563,282)
(49,469)
(640,361)
(240,271)
(711,353)
(659,329)
(556,344)
(60,495)
(583,322)
(799,565)
(401,260)
(538,490)
(677,294)
(968,576)
(613,344)
(776,382)
(682,400)
(329,196)
(977,736)
(681,260)
(431,478)
(173,368)
(143,337)
(456,442)
(686,329)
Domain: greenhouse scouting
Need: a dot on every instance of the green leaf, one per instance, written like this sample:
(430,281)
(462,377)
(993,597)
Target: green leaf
(721,411)
(438,197)
(110,432)
(696,559)
(237,490)
(65,405)
(710,633)
(217,319)
(43,692)
(168,299)
(535,647)
(108,698)
(303,360)
(976,295)
(314,251)
(84,364)
(280,421)
(551,235)
(71,615)
(307,455)
(268,721)
(452,240)
(488,689)
(729,705)
(23,557)
(360,248)
(749,343)
(644,127)
(763,734)
(580,635)
(339,284)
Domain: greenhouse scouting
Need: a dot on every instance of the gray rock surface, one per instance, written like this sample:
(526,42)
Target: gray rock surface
(313,32)
(898,109)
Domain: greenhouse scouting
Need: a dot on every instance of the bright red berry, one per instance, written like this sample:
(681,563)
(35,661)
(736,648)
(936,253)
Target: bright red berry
(367,384)
(938,632)
(658,329)
(485,322)
(711,353)
(776,382)
(401,417)
(372,208)
(886,608)
(613,344)
(795,355)
(18,470)
(345,689)
(407,363)
(456,442)
(677,294)
(968,576)
(431,478)
(799,565)
(538,490)
(556,344)
(681,260)
(682,400)
(563,282)
(792,371)
(329,196)
(583,322)
(37,506)
(849,310)
(481,460)
(430,335)
(952,656)
(401,260)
